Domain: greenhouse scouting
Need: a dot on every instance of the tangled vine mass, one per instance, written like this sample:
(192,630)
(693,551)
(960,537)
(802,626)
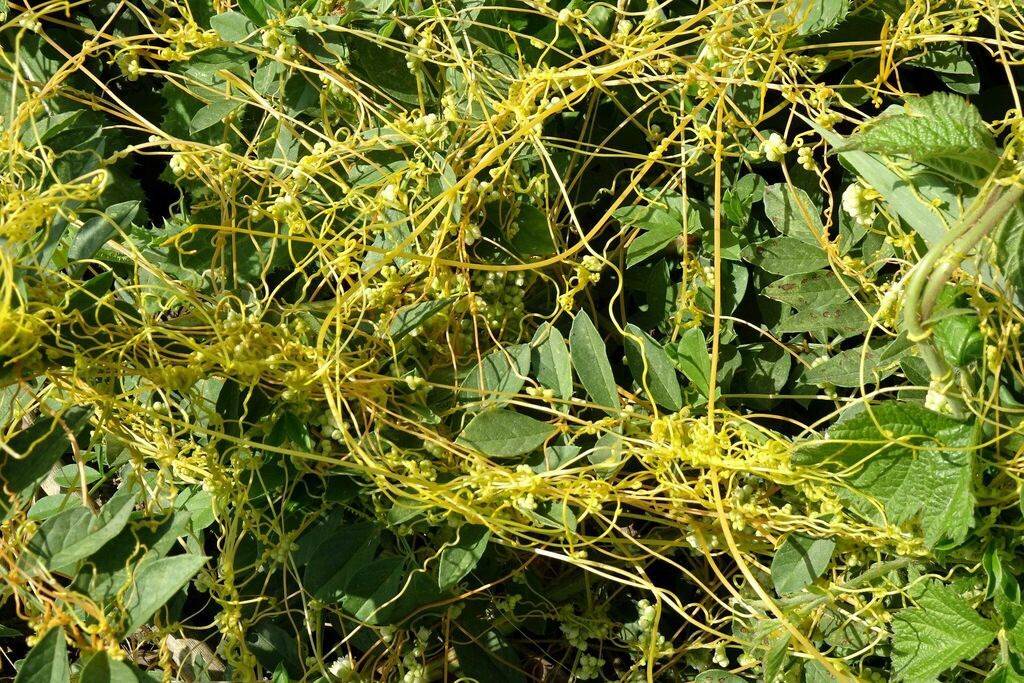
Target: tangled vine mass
(430,340)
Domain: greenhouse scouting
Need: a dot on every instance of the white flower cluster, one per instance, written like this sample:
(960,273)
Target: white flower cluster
(859,203)
(775,148)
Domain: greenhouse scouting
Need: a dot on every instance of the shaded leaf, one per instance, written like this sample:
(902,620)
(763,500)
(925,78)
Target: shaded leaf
(155,582)
(652,368)
(409,318)
(47,661)
(459,559)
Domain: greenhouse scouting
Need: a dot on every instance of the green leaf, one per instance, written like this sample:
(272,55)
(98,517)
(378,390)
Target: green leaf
(155,582)
(935,636)
(775,658)
(490,658)
(255,10)
(690,354)
(69,476)
(851,367)
(718,676)
(273,647)
(47,661)
(1008,249)
(213,113)
(409,318)
(792,213)
(652,368)
(953,64)
(845,320)
(816,290)
(101,668)
(940,130)
(369,591)
(533,238)
(460,559)
(785,256)
(498,376)
(501,433)
(48,506)
(327,573)
(590,359)
(812,17)
(40,446)
(799,561)
(233,27)
(77,533)
(649,243)
(921,468)
(552,365)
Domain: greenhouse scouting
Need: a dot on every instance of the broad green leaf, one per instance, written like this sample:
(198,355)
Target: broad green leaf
(816,290)
(199,505)
(369,592)
(792,213)
(738,199)
(607,454)
(554,515)
(953,64)
(48,506)
(327,573)
(649,243)
(491,658)
(552,365)
(845,320)
(785,256)
(913,204)
(47,661)
(533,237)
(553,458)
(498,376)
(926,475)
(40,446)
(851,367)
(940,130)
(501,433)
(691,355)
(154,584)
(652,368)
(101,668)
(274,646)
(77,533)
(718,676)
(68,476)
(763,372)
(590,359)
(256,10)
(213,113)
(409,318)
(459,559)
(97,230)
(775,658)
(233,27)
(812,17)
(799,561)
(1008,249)
(935,636)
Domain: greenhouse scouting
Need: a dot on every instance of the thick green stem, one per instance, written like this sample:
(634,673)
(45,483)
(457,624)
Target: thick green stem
(988,210)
